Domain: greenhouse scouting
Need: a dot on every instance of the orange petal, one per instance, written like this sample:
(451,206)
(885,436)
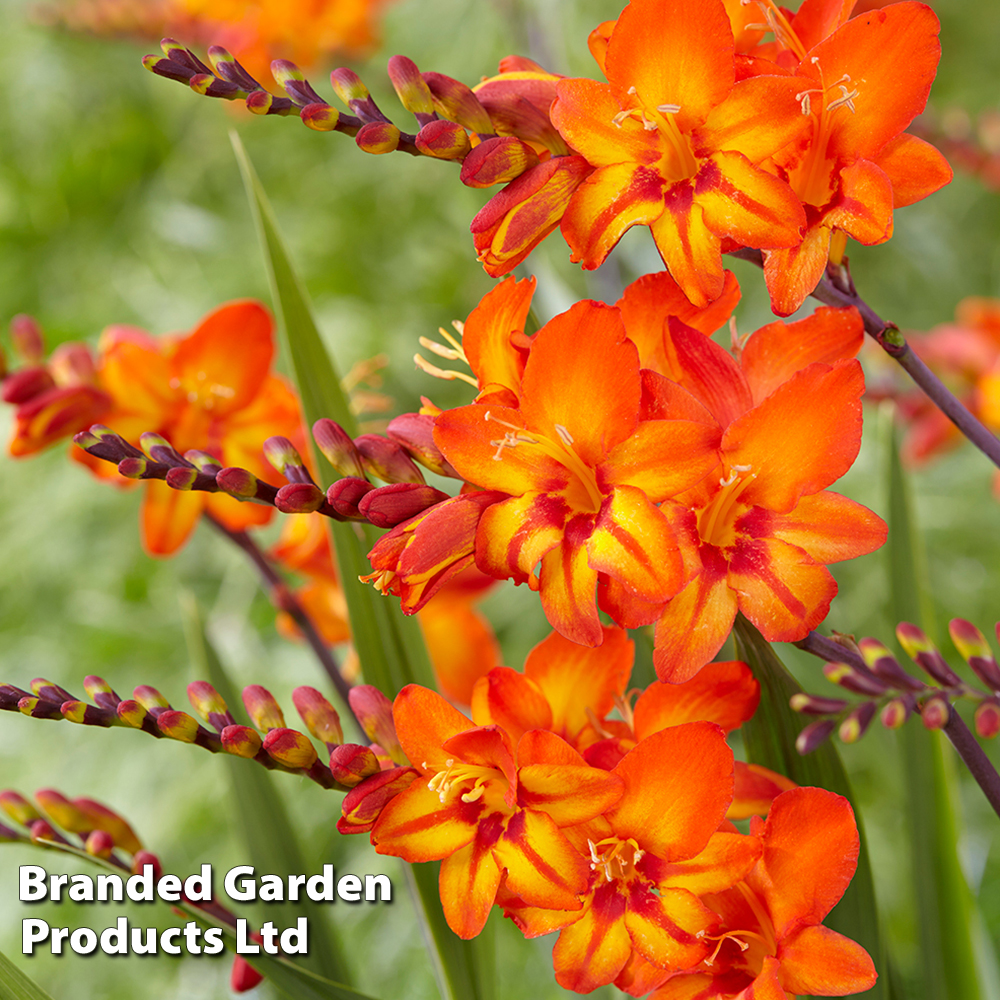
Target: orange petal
(543,867)
(673,52)
(914,168)
(665,927)
(168,517)
(223,362)
(811,849)
(672,811)
(793,446)
(576,679)
(416,826)
(569,794)
(639,976)
(816,960)
(863,206)
(793,273)
(566,584)
(611,201)
(746,204)
(662,457)
(593,950)
(461,643)
(724,693)
(509,699)
(827,526)
(582,356)
(484,746)
(870,48)
(774,353)
(726,859)
(818,19)
(756,789)
(695,623)
(781,590)
(424,721)
(647,304)
(633,542)
(468,884)
(689,247)
(515,534)
(664,399)
(486,337)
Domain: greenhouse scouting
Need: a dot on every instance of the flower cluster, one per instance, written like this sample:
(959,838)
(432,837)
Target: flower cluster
(614,832)
(722,126)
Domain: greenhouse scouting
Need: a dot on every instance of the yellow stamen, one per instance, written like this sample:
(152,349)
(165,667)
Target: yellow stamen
(457,772)
(615,862)
(714,519)
(447,374)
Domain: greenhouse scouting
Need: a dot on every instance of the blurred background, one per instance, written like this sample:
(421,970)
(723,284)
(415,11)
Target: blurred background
(121,202)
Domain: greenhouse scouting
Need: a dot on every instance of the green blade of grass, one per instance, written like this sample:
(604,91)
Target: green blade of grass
(390,645)
(271,842)
(769,739)
(946,915)
(15,985)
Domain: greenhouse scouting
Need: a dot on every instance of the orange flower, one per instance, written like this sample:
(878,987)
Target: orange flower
(583,474)
(677,142)
(865,81)
(652,855)
(489,810)
(772,943)
(211,390)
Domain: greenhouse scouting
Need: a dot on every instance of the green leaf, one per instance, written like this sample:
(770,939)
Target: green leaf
(272,845)
(15,985)
(390,645)
(297,983)
(769,739)
(946,912)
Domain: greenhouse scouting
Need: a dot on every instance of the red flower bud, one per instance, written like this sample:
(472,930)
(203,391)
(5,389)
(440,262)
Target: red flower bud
(443,140)
(497,161)
(351,763)
(388,506)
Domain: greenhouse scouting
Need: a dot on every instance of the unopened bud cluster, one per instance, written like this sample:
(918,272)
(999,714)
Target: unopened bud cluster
(893,694)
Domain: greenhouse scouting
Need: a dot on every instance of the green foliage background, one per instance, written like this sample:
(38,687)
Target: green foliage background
(120,202)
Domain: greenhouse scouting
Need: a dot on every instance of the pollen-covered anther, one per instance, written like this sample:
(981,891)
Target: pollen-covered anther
(614,860)
(669,109)
(447,374)
(454,774)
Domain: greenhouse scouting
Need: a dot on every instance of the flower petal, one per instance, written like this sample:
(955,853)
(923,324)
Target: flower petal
(468,884)
(791,274)
(863,206)
(507,698)
(593,950)
(566,583)
(424,721)
(168,517)
(689,247)
(819,960)
(914,167)
(665,928)
(726,859)
(416,826)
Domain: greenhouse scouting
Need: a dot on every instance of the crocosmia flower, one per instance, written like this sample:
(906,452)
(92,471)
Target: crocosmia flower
(211,390)
(677,142)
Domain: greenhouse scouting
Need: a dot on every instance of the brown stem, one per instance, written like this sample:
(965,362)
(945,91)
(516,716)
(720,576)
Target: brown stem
(955,729)
(283,598)
(837,289)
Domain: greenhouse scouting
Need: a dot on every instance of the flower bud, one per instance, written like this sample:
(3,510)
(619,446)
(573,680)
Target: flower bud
(351,763)
(103,818)
(345,494)
(40,831)
(299,498)
(243,977)
(27,338)
(925,654)
(18,808)
(374,711)
(292,81)
(260,102)
(290,748)
(131,713)
(241,741)
(159,449)
(857,722)
(62,812)
(896,712)
(99,844)
(320,117)
(73,364)
(149,698)
(363,804)
(415,433)
(378,138)
(987,718)
(853,680)
(884,665)
(237,483)
(814,735)
(810,704)
(338,448)
(935,712)
(83,714)
(203,461)
(387,460)
(388,506)
(10,696)
(410,86)
(262,708)
(443,140)
(456,102)
(226,66)
(143,858)
(319,715)
(347,86)
(178,725)
(208,703)
(497,161)
(100,692)
(49,691)
(135,468)
(39,708)
(25,385)
(975,650)
(283,457)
